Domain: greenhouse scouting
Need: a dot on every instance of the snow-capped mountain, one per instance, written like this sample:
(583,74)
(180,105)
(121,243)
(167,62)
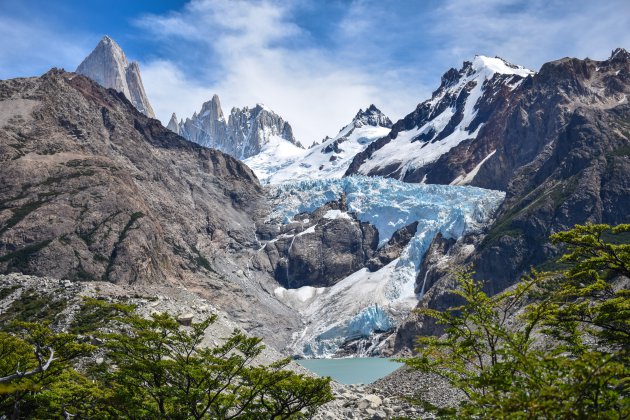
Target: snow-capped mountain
(330,159)
(455,114)
(107,65)
(246,133)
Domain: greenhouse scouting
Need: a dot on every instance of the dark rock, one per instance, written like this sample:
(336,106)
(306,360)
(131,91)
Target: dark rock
(393,248)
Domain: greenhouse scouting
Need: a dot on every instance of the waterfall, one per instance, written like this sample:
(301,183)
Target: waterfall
(424,283)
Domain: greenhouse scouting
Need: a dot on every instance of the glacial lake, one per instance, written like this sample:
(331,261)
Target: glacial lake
(354,370)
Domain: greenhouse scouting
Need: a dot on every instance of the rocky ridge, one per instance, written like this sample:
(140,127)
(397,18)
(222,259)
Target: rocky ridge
(563,156)
(330,158)
(448,123)
(244,134)
(91,189)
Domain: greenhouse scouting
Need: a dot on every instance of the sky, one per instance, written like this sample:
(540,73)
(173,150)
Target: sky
(314,62)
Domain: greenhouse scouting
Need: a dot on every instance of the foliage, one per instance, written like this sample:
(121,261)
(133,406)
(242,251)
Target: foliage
(152,368)
(553,346)
(165,371)
(33,361)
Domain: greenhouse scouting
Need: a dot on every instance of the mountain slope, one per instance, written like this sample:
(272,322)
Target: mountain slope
(91,189)
(453,118)
(563,156)
(107,65)
(331,158)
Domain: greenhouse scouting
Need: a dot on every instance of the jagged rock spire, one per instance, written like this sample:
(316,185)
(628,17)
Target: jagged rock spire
(108,66)
(371,116)
(173,125)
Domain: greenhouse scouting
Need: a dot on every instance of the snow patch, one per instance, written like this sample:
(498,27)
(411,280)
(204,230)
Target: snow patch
(336,214)
(405,152)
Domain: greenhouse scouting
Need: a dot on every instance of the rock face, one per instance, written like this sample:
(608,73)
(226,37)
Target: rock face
(563,156)
(319,248)
(173,125)
(371,116)
(107,65)
(448,124)
(91,189)
(243,135)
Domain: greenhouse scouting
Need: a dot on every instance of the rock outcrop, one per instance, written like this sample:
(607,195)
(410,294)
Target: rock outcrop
(319,248)
(332,157)
(107,65)
(173,124)
(438,143)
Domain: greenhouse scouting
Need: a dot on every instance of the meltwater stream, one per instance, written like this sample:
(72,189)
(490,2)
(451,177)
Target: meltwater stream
(352,370)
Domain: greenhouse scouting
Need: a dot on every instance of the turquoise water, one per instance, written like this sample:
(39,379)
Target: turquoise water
(356,370)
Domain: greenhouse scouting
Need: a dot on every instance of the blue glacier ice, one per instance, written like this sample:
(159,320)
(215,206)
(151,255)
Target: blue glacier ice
(368,321)
(390,204)
(365,302)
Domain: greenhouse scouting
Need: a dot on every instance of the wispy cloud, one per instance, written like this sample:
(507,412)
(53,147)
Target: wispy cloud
(257,53)
(532,32)
(314,62)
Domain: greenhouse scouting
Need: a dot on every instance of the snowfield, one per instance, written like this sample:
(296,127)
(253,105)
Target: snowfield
(405,151)
(366,303)
(281,161)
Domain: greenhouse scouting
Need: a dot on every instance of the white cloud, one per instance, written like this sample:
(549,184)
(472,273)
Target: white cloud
(257,51)
(260,55)
(532,32)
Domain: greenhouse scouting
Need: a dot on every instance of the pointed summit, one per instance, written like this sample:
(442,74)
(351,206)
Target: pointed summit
(371,116)
(173,125)
(212,109)
(107,65)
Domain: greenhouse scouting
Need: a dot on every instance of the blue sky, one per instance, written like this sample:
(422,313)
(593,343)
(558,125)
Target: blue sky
(315,62)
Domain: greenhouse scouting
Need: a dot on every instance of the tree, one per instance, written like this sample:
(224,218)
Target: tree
(159,369)
(153,368)
(553,346)
(33,360)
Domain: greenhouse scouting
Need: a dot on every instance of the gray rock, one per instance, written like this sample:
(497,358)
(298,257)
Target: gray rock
(108,66)
(185,319)
(242,135)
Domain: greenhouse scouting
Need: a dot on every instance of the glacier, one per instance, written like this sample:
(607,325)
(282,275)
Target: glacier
(366,303)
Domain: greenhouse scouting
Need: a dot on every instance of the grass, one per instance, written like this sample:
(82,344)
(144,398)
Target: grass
(66,177)
(7,291)
(121,237)
(33,307)
(19,214)
(202,261)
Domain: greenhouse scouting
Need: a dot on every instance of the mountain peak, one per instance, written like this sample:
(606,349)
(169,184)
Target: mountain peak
(619,54)
(371,116)
(106,40)
(498,65)
(173,125)
(107,65)
(212,109)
